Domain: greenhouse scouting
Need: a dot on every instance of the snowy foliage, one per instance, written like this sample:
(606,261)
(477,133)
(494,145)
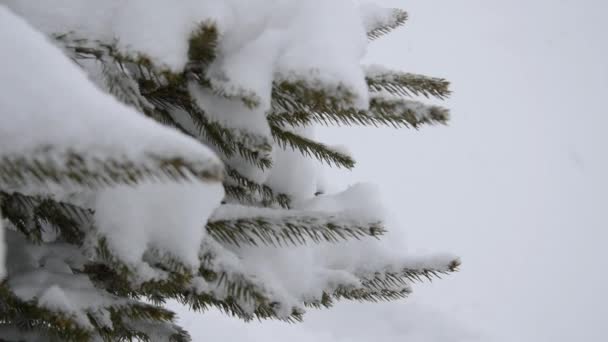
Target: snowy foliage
(165,150)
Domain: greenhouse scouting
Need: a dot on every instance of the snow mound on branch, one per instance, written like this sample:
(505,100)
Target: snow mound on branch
(49,104)
(293,173)
(164,217)
(316,40)
(44,273)
(298,272)
(374,16)
(317,43)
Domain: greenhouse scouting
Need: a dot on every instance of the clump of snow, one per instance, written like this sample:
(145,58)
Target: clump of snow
(342,149)
(44,273)
(169,218)
(362,198)
(292,172)
(375,16)
(248,125)
(333,30)
(230,113)
(62,112)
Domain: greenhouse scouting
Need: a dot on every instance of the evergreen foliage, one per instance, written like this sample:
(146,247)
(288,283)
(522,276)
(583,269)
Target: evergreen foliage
(132,309)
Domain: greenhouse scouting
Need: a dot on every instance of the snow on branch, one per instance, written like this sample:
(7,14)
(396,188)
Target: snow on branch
(240,187)
(46,289)
(49,319)
(214,286)
(411,270)
(202,51)
(386,283)
(63,130)
(43,321)
(359,294)
(229,141)
(405,84)
(159,93)
(385,110)
(380,21)
(237,224)
(46,166)
(142,222)
(241,299)
(294,94)
(297,105)
(397,112)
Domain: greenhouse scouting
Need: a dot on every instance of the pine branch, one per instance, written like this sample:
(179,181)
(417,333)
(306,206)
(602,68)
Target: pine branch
(202,45)
(122,85)
(172,96)
(334,291)
(263,308)
(27,213)
(397,18)
(113,276)
(296,104)
(72,168)
(399,112)
(406,84)
(120,81)
(176,97)
(409,273)
(30,317)
(34,307)
(160,331)
(240,297)
(375,296)
(228,141)
(392,283)
(310,148)
(19,210)
(202,51)
(393,112)
(292,95)
(164,91)
(121,331)
(241,187)
(278,227)
(139,324)
(328,299)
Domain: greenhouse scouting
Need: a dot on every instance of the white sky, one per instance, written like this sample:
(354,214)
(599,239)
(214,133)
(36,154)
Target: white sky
(517,184)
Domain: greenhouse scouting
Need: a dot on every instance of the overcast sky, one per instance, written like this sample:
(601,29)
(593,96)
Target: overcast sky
(516,184)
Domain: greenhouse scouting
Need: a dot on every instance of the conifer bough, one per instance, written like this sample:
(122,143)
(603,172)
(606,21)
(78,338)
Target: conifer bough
(184,167)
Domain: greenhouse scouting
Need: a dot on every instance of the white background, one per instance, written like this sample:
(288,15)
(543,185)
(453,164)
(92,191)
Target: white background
(516,184)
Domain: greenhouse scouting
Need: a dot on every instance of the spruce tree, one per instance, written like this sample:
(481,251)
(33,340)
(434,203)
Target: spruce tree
(145,179)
